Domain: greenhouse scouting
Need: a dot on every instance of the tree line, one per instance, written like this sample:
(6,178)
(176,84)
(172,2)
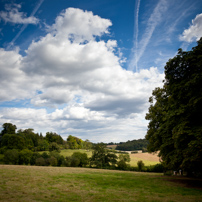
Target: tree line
(25,147)
(28,139)
(140,144)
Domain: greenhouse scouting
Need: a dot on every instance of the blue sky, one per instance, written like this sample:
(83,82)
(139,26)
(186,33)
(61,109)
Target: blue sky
(87,68)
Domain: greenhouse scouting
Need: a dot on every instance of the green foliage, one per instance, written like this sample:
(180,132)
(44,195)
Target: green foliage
(77,143)
(43,145)
(40,161)
(34,156)
(54,147)
(52,161)
(83,158)
(175,127)
(13,141)
(140,165)
(11,156)
(60,158)
(54,137)
(133,145)
(123,160)
(102,157)
(8,128)
(25,156)
(158,168)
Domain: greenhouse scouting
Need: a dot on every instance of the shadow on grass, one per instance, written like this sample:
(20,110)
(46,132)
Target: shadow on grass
(187,182)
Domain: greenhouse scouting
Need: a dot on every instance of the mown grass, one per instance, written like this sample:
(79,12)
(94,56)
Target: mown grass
(46,184)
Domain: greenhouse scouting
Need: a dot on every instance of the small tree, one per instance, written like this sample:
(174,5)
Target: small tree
(140,165)
(102,157)
(123,160)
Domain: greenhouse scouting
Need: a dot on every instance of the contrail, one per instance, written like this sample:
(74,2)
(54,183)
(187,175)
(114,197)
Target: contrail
(25,25)
(153,21)
(136,31)
(134,55)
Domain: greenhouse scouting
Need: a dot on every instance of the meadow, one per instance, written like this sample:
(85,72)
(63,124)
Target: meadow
(46,184)
(147,158)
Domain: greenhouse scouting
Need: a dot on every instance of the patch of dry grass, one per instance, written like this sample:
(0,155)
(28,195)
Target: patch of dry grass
(147,158)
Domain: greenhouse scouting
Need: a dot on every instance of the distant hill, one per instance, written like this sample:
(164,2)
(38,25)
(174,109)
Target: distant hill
(132,145)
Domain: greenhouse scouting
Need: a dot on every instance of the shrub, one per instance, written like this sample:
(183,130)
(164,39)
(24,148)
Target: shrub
(35,155)
(140,165)
(83,158)
(25,156)
(122,165)
(52,161)
(40,161)
(54,146)
(11,156)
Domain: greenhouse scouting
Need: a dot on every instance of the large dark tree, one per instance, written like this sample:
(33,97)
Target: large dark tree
(8,128)
(175,113)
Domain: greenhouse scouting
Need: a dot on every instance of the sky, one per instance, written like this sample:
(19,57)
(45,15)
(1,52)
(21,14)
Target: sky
(87,68)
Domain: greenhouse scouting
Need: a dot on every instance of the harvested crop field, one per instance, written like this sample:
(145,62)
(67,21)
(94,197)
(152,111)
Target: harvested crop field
(147,158)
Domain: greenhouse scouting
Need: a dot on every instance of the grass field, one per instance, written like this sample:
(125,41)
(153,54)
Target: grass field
(61,184)
(147,158)
(69,152)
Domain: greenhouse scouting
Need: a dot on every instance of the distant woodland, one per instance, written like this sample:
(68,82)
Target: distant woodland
(25,147)
(140,144)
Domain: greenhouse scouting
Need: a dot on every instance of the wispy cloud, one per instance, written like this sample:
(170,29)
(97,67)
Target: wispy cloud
(26,24)
(12,15)
(136,31)
(154,19)
(134,64)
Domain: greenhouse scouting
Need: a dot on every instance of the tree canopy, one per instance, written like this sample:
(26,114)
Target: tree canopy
(132,145)
(175,113)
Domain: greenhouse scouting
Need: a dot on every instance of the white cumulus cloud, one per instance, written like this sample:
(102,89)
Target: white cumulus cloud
(81,79)
(194,32)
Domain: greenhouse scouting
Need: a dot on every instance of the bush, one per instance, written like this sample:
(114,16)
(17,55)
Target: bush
(11,156)
(25,156)
(35,155)
(52,161)
(40,161)
(60,159)
(140,165)
(74,162)
(83,158)
(122,165)
(54,146)
(144,150)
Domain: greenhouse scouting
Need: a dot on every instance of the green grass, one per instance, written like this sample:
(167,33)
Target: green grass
(46,184)
(69,152)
